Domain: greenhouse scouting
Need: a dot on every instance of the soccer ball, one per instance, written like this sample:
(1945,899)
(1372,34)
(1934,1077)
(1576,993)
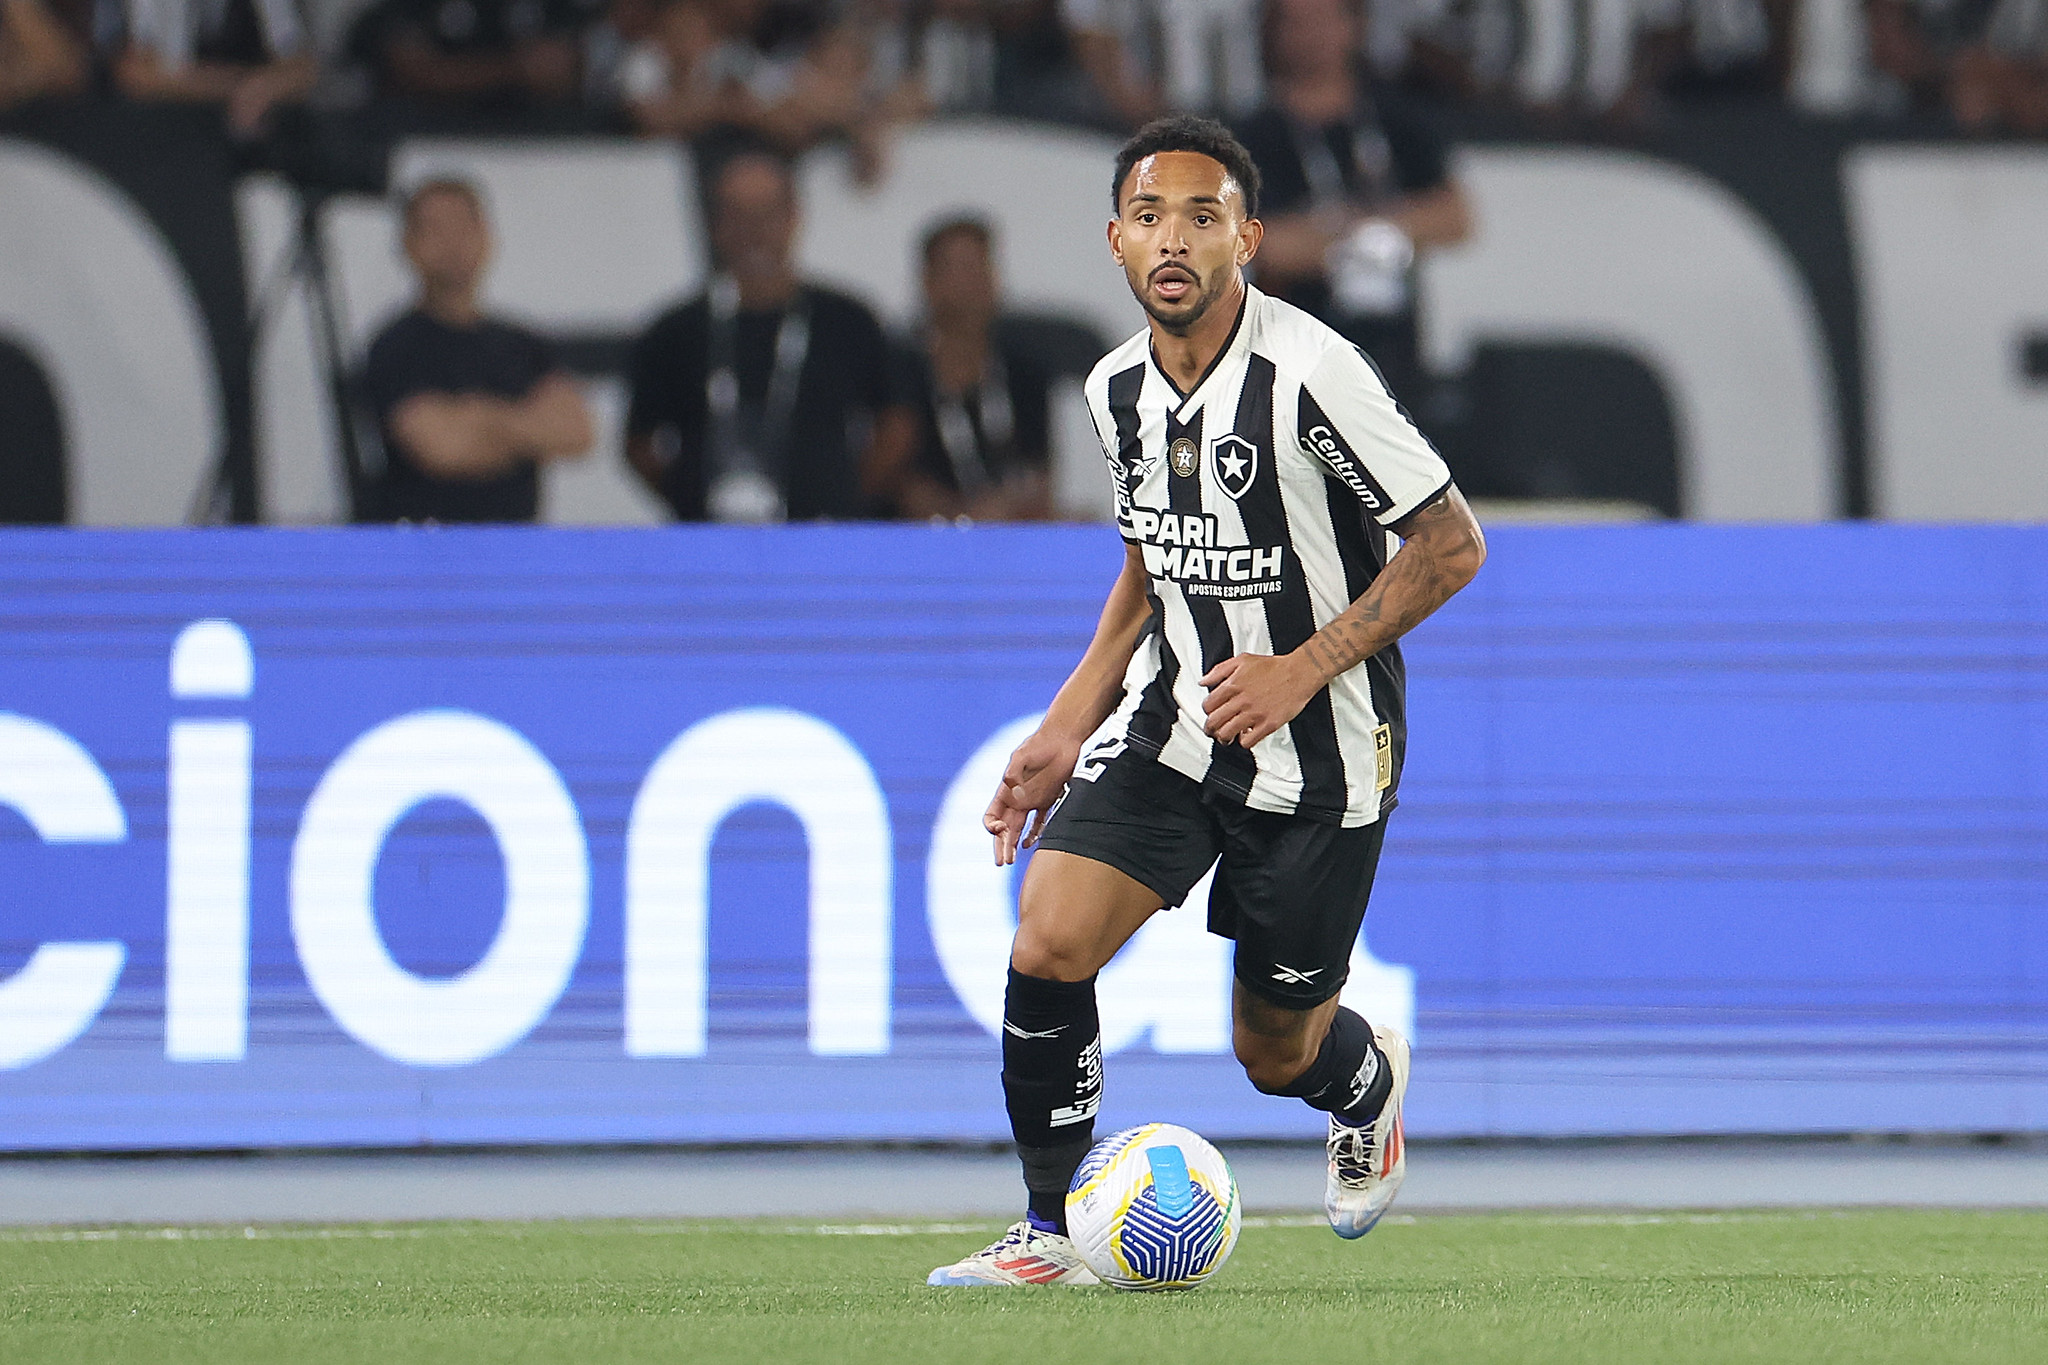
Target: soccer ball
(1154,1207)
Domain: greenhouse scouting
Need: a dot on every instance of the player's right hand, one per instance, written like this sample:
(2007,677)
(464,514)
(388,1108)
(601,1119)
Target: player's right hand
(1032,783)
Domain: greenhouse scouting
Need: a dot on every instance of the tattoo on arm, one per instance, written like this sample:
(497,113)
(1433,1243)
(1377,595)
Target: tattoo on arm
(1441,549)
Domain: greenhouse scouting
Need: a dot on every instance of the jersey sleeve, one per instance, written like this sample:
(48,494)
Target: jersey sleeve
(1098,417)
(1350,423)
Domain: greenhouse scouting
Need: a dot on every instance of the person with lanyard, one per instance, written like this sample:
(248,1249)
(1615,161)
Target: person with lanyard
(765,398)
(981,405)
(1356,183)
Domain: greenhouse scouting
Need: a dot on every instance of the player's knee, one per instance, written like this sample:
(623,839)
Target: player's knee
(1050,957)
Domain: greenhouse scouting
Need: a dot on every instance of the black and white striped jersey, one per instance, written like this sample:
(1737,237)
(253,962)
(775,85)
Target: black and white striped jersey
(1260,502)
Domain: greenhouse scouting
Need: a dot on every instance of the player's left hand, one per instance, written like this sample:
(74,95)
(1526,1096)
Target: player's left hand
(1253,695)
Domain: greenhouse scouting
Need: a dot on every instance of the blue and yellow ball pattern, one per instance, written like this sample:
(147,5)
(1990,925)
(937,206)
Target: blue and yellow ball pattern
(1154,1207)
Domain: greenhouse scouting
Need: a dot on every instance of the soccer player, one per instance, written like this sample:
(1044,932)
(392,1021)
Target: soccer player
(1240,704)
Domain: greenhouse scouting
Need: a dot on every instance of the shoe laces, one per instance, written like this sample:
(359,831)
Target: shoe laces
(1018,1238)
(1352,1150)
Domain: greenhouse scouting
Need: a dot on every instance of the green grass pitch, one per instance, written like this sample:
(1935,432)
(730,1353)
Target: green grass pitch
(1806,1287)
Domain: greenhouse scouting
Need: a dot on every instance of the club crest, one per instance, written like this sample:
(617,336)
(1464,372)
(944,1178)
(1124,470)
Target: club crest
(1185,457)
(1235,463)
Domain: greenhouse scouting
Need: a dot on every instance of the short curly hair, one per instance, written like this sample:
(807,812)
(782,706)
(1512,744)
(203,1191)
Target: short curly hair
(1188,133)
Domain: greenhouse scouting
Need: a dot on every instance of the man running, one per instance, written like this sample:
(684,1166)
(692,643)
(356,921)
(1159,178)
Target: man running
(1240,704)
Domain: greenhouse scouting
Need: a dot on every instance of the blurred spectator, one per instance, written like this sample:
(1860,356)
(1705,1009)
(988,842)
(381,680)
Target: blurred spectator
(1705,48)
(1830,57)
(40,54)
(981,405)
(775,73)
(468,406)
(765,398)
(1394,27)
(1036,76)
(1110,42)
(932,57)
(1209,55)
(1356,182)
(609,43)
(1462,50)
(665,81)
(1145,57)
(249,56)
(476,56)
(1909,63)
(1611,59)
(1615,58)
(2000,80)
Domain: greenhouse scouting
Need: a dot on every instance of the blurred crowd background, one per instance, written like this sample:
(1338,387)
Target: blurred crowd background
(753,373)
(795,72)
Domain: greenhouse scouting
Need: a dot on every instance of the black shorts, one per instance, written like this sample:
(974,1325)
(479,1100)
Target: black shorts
(1290,891)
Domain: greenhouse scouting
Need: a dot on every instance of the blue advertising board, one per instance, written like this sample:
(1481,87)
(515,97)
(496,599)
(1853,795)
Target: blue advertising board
(512,836)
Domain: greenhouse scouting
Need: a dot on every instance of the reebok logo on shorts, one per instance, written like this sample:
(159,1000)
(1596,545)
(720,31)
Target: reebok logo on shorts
(1292,977)
(1027,1034)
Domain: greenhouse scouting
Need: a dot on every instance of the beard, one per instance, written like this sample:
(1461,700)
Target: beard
(1179,318)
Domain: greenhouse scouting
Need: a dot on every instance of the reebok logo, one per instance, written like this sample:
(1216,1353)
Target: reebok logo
(1294,977)
(1027,1034)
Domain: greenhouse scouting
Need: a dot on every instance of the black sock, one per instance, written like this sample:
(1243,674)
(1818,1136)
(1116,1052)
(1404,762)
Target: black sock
(1047,1173)
(1052,1081)
(1349,1077)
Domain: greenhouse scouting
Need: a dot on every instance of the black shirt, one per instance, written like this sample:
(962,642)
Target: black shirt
(417,354)
(996,432)
(239,33)
(462,28)
(1386,150)
(843,382)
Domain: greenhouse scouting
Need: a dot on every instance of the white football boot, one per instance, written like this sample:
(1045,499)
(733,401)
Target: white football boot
(1367,1162)
(1022,1256)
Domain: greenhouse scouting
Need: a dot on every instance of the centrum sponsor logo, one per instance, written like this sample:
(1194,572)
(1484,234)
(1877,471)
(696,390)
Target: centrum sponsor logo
(1320,443)
(1182,547)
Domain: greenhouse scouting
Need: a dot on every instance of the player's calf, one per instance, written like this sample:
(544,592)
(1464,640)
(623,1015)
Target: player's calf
(1357,1075)
(1345,1075)
(1275,1046)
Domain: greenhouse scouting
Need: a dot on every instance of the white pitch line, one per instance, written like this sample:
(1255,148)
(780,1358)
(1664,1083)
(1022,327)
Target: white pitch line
(708,1226)
(887,1229)
(221,1234)
(696,1226)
